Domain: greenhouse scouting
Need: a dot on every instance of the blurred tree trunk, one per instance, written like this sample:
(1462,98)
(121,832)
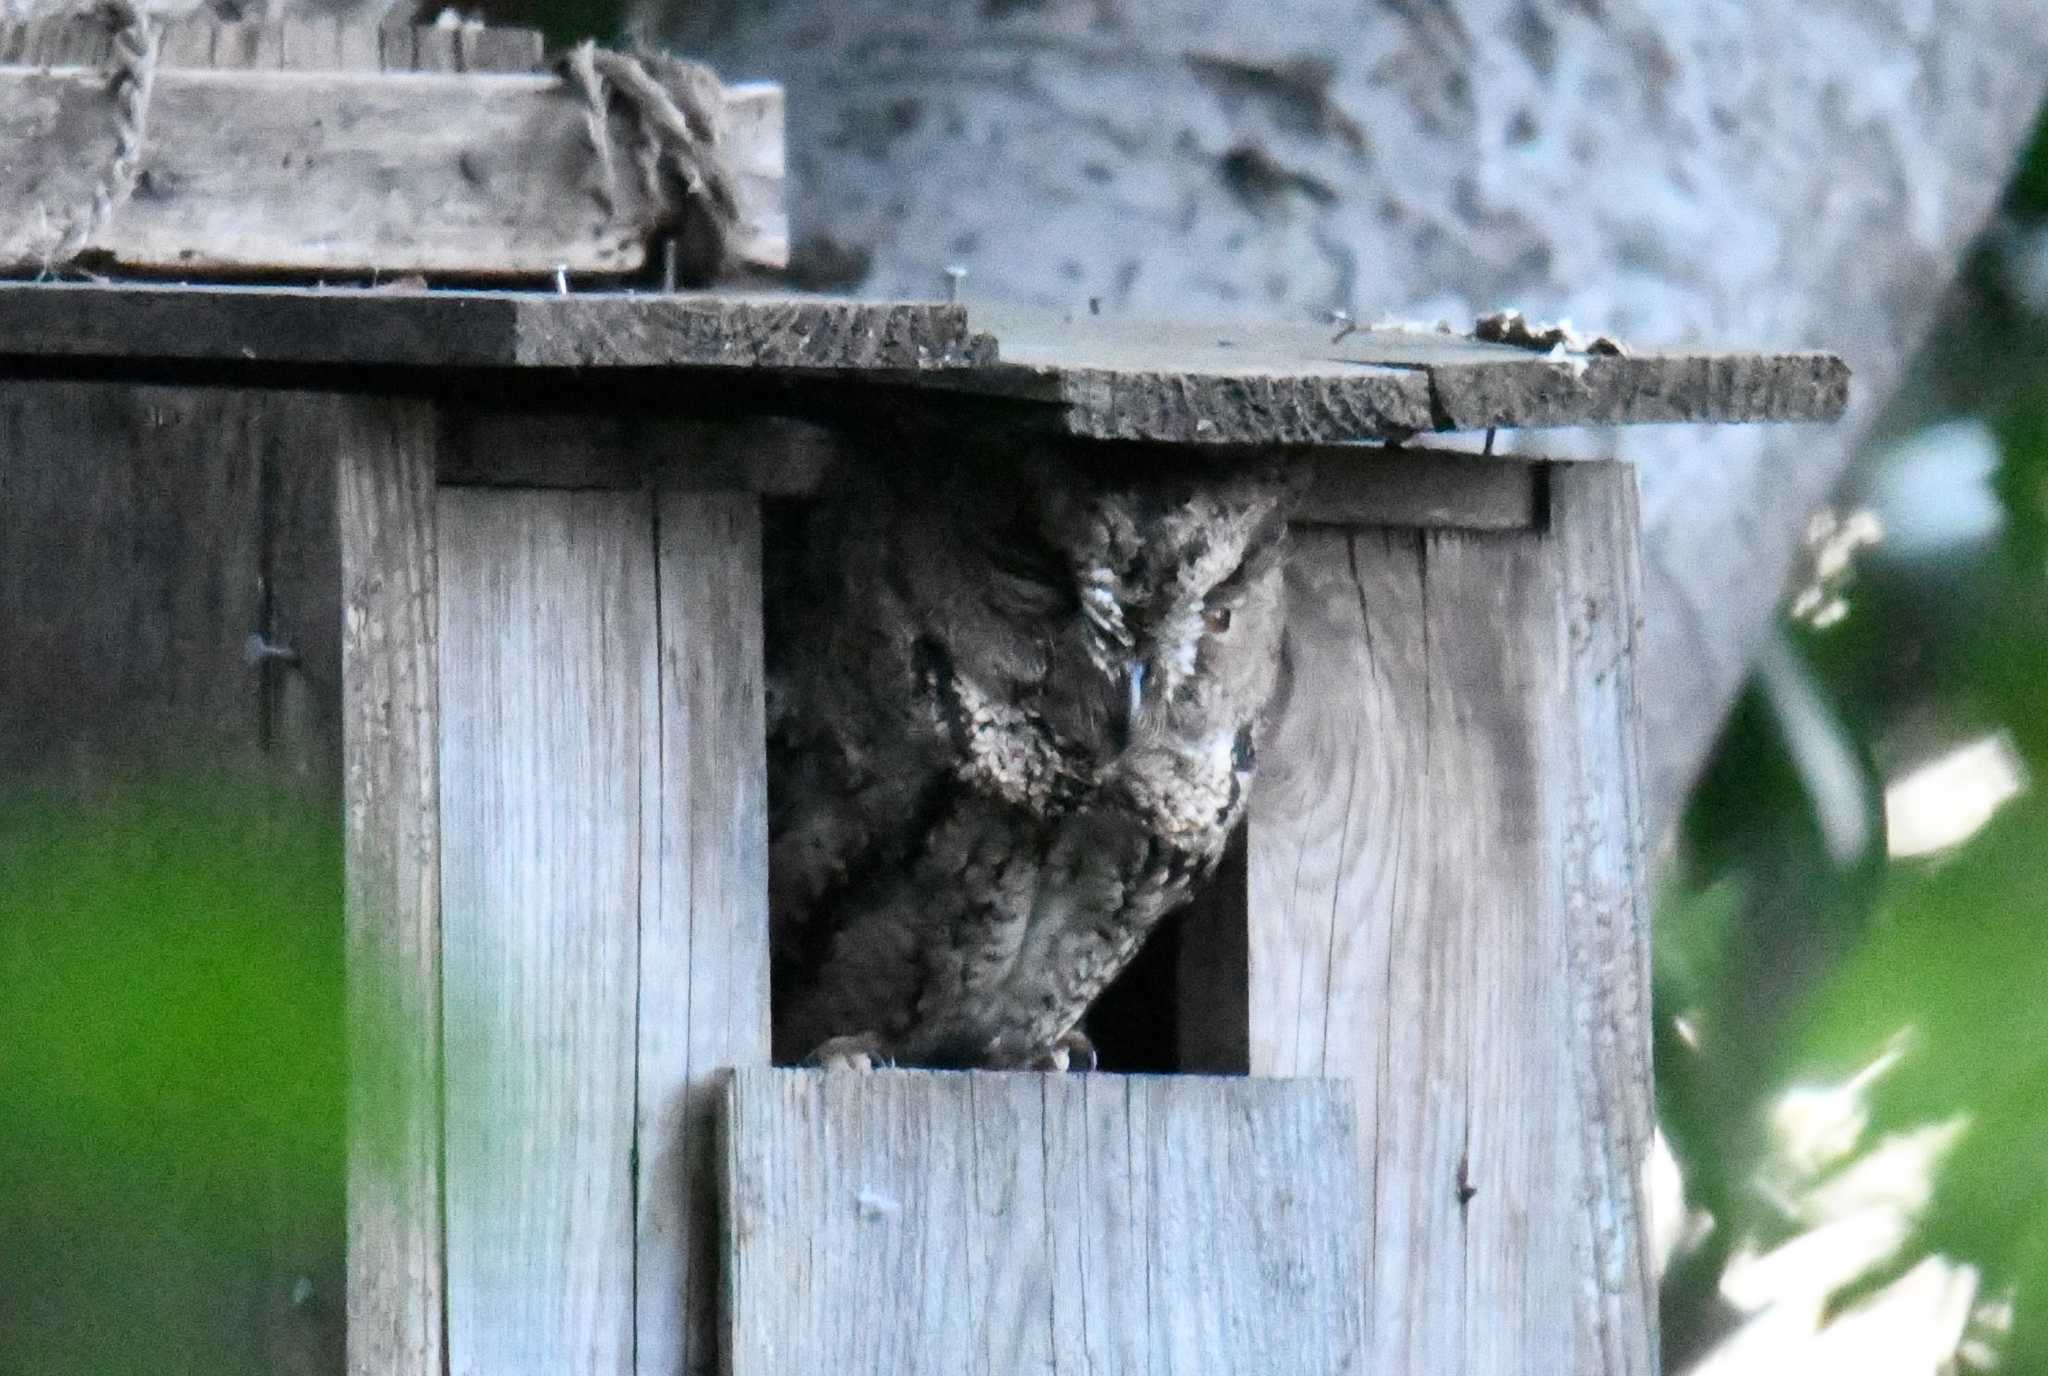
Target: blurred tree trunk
(1751,173)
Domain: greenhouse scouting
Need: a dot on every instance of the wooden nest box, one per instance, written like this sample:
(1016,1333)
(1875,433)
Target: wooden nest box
(495,560)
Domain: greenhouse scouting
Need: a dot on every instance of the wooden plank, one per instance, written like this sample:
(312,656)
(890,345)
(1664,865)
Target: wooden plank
(1359,485)
(271,167)
(492,446)
(1641,389)
(356,47)
(494,49)
(254,46)
(783,456)
(1600,897)
(549,743)
(64,40)
(314,44)
(186,42)
(434,49)
(300,582)
(703,993)
(130,561)
(391,722)
(134,539)
(1101,1317)
(1278,382)
(929,343)
(1445,903)
(297,439)
(253,326)
(395,47)
(911,1223)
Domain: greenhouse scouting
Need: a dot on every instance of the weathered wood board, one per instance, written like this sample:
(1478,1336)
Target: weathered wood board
(310,43)
(348,328)
(145,534)
(129,586)
(390,653)
(604,923)
(899,1223)
(286,149)
(548,763)
(1446,901)
(492,446)
(703,994)
(1279,382)
(1144,381)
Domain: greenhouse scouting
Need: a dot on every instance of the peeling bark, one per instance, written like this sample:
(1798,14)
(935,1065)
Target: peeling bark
(1797,173)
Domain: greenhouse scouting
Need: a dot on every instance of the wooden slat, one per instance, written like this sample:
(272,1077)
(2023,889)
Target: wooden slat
(136,529)
(316,44)
(613,447)
(296,440)
(703,993)
(549,752)
(301,586)
(1445,903)
(433,50)
(63,40)
(395,47)
(908,1223)
(1600,899)
(268,159)
(1277,382)
(184,43)
(780,456)
(1250,401)
(130,562)
(1363,486)
(1101,1316)
(493,49)
(250,47)
(254,326)
(391,724)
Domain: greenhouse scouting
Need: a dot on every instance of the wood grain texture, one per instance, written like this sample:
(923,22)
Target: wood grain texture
(703,984)
(1602,903)
(130,560)
(1362,485)
(392,810)
(282,148)
(310,42)
(549,752)
(1445,903)
(1275,382)
(628,448)
(479,329)
(625,448)
(136,527)
(300,581)
(987,1223)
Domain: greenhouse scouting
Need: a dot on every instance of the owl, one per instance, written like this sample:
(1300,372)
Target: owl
(1014,694)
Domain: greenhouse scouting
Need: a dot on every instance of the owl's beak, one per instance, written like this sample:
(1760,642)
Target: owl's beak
(1130,702)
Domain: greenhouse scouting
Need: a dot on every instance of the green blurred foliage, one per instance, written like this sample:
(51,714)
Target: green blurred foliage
(1780,965)
(172,1051)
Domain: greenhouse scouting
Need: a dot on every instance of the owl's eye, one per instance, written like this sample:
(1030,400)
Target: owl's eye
(1216,620)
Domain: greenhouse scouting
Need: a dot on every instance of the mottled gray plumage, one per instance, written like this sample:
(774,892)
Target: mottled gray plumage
(1013,704)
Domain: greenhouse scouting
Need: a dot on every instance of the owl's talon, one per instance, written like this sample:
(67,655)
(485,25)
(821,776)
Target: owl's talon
(861,1051)
(1071,1053)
